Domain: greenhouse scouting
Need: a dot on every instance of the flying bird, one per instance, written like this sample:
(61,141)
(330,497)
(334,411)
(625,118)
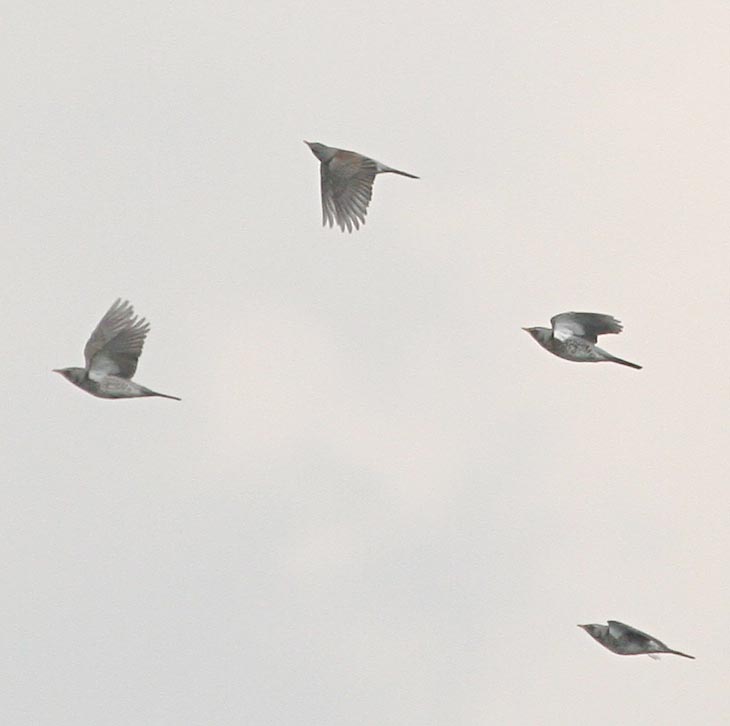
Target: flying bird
(574,336)
(347,184)
(625,640)
(111,356)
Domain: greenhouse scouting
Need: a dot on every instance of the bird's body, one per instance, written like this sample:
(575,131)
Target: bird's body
(111,355)
(622,639)
(573,337)
(347,184)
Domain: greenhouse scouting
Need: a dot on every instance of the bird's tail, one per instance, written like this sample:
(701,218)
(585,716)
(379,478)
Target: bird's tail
(613,359)
(388,169)
(684,655)
(148,392)
(623,362)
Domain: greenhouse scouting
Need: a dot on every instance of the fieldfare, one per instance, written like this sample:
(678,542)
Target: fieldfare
(347,184)
(625,640)
(574,336)
(111,356)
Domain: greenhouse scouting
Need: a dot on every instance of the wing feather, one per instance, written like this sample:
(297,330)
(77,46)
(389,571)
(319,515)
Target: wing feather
(584,325)
(347,188)
(628,634)
(116,344)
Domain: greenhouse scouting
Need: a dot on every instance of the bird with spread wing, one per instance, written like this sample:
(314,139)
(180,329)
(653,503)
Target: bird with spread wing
(347,184)
(573,336)
(111,355)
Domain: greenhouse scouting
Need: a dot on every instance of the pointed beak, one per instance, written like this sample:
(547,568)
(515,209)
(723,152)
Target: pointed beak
(582,626)
(308,143)
(527,330)
(56,370)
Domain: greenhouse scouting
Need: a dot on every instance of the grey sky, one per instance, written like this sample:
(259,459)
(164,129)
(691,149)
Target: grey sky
(379,502)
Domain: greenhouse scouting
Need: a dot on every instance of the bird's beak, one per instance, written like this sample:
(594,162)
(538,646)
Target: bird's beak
(582,626)
(56,370)
(527,330)
(308,143)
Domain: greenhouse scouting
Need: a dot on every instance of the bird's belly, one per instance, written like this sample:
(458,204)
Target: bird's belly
(115,387)
(576,349)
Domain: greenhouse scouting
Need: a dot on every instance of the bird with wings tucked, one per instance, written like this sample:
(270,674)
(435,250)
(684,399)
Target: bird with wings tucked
(624,640)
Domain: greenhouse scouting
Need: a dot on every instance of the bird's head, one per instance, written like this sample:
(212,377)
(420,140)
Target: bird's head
(322,152)
(594,630)
(75,375)
(541,335)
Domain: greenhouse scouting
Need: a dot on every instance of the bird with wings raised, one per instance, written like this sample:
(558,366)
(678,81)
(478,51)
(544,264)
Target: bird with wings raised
(111,355)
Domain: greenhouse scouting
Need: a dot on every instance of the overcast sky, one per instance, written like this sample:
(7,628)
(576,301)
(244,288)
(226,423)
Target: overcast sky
(379,502)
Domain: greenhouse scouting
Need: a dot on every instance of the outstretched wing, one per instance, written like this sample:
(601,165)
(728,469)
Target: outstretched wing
(115,345)
(584,325)
(347,187)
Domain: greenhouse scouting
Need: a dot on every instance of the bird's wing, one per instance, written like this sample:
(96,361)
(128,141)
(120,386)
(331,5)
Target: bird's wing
(621,631)
(347,187)
(584,325)
(617,629)
(328,205)
(114,347)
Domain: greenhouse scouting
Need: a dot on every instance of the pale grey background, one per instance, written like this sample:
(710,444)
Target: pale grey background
(380,502)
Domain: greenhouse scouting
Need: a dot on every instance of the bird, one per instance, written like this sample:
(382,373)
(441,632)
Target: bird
(111,355)
(574,337)
(625,640)
(347,184)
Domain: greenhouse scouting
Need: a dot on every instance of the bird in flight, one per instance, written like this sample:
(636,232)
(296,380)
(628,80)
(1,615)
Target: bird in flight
(111,356)
(347,184)
(625,640)
(574,336)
